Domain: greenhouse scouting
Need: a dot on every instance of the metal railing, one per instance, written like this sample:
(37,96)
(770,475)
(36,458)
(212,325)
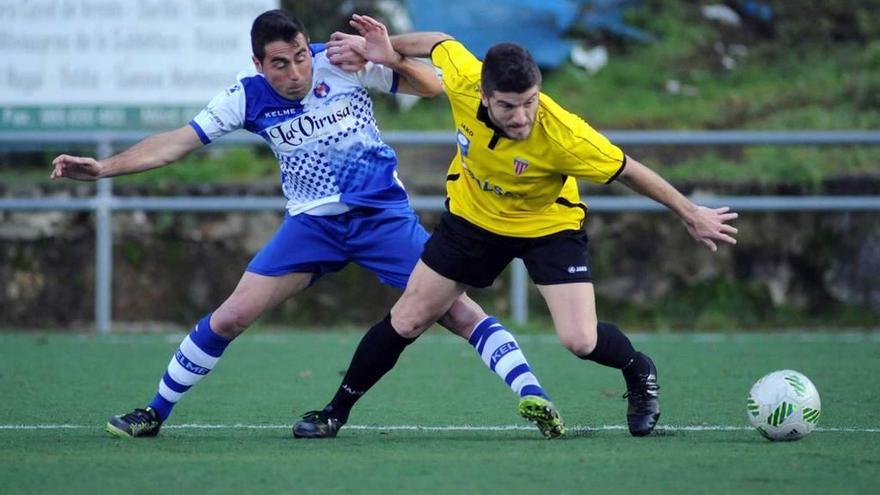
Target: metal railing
(104,203)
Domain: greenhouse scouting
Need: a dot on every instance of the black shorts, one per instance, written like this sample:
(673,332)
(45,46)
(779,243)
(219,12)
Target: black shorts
(461,251)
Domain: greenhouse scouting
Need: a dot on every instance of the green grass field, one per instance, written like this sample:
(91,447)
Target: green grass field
(231,434)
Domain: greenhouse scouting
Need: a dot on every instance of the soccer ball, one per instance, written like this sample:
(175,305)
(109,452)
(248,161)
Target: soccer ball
(784,405)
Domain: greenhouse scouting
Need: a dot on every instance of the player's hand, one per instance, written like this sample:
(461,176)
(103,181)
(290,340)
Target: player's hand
(708,225)
(377,47)
(347,51)
(75,167)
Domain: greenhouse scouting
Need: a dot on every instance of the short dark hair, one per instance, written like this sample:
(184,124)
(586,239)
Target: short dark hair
(274,25)
(510,68)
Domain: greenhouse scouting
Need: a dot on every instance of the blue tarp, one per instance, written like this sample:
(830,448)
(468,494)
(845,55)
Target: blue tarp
(535,24)
(607,16)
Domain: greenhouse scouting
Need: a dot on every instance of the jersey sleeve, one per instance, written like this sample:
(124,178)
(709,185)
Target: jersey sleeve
(586,153)
(458,66)
(376,76)
(224,114)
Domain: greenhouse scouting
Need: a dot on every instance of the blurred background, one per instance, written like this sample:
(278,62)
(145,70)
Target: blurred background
(772,107)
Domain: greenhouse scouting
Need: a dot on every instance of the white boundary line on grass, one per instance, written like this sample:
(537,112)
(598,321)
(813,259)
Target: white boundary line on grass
(239,426)
(851,337)
(867,336)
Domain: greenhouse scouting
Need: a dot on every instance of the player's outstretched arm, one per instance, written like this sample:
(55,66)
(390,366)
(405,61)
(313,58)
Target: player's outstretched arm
(375,45)
(154,151)
(417,44)
(706,225)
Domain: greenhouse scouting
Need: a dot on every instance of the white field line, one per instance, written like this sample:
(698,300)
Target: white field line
(438,337)
(869,337)
(441,428)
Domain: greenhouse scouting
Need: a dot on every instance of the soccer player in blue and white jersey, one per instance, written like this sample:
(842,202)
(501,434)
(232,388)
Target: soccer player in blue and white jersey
(345,204)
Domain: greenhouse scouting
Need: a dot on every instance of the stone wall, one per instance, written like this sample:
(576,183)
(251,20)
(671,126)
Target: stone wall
(171,268)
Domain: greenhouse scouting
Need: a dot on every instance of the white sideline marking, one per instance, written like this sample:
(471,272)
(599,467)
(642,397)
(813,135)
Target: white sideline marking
(239,426)
(871,336)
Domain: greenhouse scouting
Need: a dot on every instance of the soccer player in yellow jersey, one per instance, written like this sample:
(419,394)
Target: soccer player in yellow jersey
(512,193)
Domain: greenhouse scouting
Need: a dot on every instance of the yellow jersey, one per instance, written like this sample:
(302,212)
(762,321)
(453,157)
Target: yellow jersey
(524,188)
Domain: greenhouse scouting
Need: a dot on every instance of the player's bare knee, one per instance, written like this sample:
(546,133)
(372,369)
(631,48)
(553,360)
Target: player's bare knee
(409,326)
(410,316)
(411,320)
(462,317)
(580,344)
(462,328)
(231,320)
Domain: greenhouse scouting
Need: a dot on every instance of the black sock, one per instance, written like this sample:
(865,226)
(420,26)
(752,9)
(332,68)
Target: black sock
(375,355)
(613,348)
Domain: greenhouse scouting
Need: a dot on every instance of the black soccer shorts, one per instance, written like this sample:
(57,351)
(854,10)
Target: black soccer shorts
(461,251)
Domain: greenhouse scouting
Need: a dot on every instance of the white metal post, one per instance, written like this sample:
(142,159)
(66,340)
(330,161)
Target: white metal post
(103,247)
(519,292)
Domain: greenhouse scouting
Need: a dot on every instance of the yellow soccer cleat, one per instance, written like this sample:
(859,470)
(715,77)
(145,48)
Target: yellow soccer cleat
(543,413)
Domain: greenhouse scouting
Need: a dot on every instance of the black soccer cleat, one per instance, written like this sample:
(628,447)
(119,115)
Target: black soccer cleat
(643,395)
(138,423)
(316,424)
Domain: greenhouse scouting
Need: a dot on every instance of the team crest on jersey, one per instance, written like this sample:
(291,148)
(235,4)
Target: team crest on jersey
(520,165)
(463,143)
(321,90)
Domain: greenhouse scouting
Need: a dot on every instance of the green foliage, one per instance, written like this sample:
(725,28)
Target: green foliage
(133,252)
(723,305)
(428,114)
(801,23)
(827,89)
(223,164)
(804,165)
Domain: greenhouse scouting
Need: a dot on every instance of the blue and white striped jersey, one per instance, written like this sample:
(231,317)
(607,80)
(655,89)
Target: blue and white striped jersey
(327,144)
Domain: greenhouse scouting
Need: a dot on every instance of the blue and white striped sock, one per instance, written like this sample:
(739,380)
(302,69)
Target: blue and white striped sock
(502,354)
(195,358)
